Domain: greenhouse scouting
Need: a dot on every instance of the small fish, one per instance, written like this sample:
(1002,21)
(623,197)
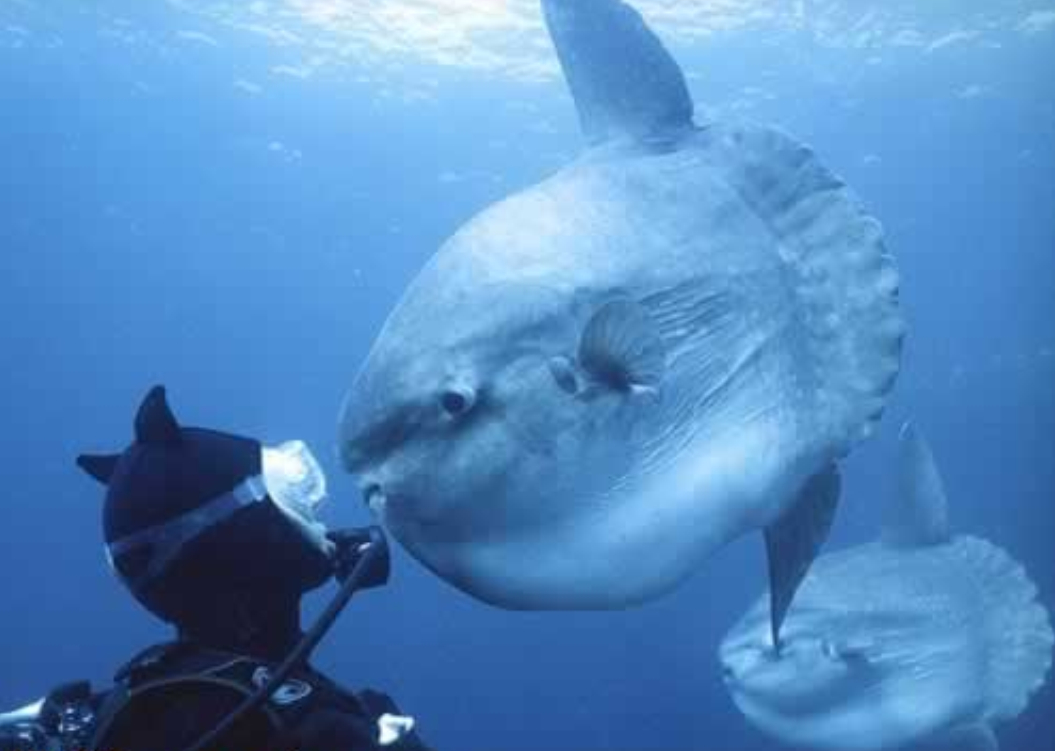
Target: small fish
(920,637)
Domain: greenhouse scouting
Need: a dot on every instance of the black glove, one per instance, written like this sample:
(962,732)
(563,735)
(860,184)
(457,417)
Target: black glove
(351,545)
(22,737)
(67,718)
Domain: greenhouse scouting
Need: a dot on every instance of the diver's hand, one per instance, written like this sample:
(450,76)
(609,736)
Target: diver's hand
(22,738)
(351,544)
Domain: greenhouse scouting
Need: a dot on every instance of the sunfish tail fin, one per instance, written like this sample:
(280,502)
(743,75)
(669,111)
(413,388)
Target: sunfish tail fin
(842,283)
(1018,630)
(793,541)
(919,514)
(622,78)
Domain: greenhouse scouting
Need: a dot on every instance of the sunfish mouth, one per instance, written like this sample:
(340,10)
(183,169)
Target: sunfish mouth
(728,674)
(728,667)
(376,500)
(389,506)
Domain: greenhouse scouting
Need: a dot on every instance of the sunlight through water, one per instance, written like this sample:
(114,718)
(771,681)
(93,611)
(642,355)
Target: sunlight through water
(507,36)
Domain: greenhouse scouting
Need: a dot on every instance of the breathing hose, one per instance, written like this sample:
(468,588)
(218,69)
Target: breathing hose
(372,552)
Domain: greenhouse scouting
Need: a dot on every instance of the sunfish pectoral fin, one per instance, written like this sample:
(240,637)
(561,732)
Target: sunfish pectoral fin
(623,80)
(621,349)
(793,541)
(918,515)
(972,738)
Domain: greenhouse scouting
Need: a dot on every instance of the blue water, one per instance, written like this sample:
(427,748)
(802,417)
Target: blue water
(228,198)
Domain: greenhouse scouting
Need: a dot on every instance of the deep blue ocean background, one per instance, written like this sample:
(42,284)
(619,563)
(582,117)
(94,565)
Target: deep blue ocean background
(228,198)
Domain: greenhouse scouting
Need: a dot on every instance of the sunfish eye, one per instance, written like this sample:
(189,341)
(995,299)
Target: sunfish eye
(457,401)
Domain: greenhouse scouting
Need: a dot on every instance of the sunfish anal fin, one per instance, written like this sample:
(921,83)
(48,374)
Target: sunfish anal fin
(621,349)
(919,514)
(622,78)
(973,738)
(793,541)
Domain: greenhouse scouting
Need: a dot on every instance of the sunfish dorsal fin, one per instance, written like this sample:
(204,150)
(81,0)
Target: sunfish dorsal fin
(793,541)
(919,514)
(622,78)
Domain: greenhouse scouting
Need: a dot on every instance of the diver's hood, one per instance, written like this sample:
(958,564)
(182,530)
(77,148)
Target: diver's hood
(174,483)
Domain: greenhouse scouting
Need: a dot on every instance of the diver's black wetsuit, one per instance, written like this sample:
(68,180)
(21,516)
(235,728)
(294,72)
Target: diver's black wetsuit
(196,541)
(169,696)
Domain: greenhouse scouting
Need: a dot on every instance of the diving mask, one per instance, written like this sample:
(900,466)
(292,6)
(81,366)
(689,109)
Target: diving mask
(294,479)
(290,477)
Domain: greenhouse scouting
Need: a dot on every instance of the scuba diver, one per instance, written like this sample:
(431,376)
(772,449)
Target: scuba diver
(217,535)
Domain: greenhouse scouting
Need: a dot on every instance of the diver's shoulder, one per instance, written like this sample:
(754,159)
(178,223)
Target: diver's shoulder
(178,657)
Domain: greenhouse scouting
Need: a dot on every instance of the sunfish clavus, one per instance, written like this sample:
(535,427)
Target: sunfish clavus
(600,380)
(920,637)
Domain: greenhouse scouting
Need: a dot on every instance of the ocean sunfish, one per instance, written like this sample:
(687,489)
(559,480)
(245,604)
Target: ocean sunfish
(920,637)
(600,380)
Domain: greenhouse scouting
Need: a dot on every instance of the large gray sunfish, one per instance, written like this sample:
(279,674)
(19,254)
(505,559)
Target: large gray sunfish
(602,379)
(921,637)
